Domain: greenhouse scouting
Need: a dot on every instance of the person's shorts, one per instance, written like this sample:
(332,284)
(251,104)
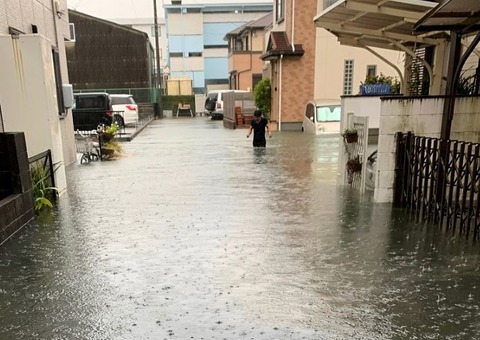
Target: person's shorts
(259,144)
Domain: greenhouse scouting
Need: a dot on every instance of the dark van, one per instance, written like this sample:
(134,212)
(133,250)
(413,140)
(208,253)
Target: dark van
(91,110)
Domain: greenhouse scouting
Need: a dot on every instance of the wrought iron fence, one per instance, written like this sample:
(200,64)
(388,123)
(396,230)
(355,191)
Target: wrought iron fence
(42,169)
(438,181)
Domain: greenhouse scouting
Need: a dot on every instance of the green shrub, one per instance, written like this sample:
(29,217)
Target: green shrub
(43,195)
(263,96)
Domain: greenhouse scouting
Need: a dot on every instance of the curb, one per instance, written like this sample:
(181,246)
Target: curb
(129,138)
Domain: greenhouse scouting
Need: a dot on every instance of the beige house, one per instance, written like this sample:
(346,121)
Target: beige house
(245,46)
(308,63)
(35,124)
(31,100)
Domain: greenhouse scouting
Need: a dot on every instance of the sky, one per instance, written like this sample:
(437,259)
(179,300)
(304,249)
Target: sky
(123,9)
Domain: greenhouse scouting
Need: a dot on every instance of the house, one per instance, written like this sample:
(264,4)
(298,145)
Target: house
(445,124)
(107,55)
(245,46)
(307,63)
(34,118)
(196,46)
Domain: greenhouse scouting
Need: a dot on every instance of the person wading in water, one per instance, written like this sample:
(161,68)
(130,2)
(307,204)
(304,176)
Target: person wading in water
(258,126)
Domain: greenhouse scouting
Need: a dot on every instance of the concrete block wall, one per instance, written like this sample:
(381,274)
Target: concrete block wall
(16,209)
(423,116)
(466,121)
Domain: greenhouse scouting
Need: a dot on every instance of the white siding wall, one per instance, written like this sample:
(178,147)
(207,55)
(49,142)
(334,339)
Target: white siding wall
(421,116)
(21,15)
(329,64)
(185,23)
(215,52)
(187,64)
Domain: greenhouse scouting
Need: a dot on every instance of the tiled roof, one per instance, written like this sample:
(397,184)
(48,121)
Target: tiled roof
(278,44)
(259,23)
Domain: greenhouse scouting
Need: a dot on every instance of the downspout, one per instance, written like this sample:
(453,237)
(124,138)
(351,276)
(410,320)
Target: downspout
(293,26)
(280,95)
(54,12)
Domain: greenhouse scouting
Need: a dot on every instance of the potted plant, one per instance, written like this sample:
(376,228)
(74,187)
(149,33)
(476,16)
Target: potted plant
(379,85)
(353,166)
(107,133)
(350,136)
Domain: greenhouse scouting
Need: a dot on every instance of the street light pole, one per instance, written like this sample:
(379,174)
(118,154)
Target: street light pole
(157,60)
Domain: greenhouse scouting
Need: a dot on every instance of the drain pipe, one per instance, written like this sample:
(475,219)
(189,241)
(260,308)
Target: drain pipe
(293,25)
(280,95)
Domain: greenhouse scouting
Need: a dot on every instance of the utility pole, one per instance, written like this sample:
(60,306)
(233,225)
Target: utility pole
(157,60)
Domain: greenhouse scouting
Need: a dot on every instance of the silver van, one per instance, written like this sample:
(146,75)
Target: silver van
(214,103)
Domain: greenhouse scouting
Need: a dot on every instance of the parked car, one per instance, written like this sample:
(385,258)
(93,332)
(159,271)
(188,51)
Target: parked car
(371,170)
(91,109)
(214,103)
(125,109)
(322,116)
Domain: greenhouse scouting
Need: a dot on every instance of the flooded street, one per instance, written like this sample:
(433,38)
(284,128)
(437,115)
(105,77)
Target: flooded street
(193,234)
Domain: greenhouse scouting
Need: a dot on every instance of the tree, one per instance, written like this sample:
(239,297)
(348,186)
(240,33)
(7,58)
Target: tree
(263,96)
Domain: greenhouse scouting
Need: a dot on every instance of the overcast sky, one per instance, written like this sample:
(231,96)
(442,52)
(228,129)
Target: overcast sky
(122,9)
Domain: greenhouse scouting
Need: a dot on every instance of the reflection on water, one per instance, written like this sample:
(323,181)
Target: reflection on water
(198,235)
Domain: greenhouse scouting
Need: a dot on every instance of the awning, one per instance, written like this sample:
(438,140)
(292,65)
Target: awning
(278,45)
(453,15)
(377,23)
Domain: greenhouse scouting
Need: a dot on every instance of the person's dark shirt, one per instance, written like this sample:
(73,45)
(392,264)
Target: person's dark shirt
(259,129)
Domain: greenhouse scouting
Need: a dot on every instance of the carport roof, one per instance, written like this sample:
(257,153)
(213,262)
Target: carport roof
(453,15)
(377,23)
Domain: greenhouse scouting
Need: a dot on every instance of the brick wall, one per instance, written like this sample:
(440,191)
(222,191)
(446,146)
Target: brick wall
(298,73)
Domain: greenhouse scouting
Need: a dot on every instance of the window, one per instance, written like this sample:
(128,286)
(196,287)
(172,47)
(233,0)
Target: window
(348,77)
(195,54)
(153,30)
(279,10)
(328,113)
(238,45)
(176,55)
(71,31)
(309,112)
(371,70)
(256,77)
(58,82)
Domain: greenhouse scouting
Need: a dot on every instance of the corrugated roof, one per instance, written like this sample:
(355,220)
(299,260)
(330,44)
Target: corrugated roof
(376,23)
(452,15)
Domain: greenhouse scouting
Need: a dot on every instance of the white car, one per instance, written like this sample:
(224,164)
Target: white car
(322,116)
(214,103)
(125,109)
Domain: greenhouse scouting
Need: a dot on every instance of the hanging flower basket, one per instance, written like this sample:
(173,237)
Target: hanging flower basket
(350,136)
(353,166)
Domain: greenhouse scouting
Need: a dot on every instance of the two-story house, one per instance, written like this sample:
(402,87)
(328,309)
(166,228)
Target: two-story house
(245,46)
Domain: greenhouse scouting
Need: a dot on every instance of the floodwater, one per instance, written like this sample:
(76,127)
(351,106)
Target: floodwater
(193,234)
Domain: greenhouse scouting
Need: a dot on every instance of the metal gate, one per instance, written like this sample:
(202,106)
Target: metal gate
(357,150)
(438,181)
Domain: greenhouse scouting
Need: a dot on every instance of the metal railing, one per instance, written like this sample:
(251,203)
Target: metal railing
(439,180)
(42,164)
(141,95)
